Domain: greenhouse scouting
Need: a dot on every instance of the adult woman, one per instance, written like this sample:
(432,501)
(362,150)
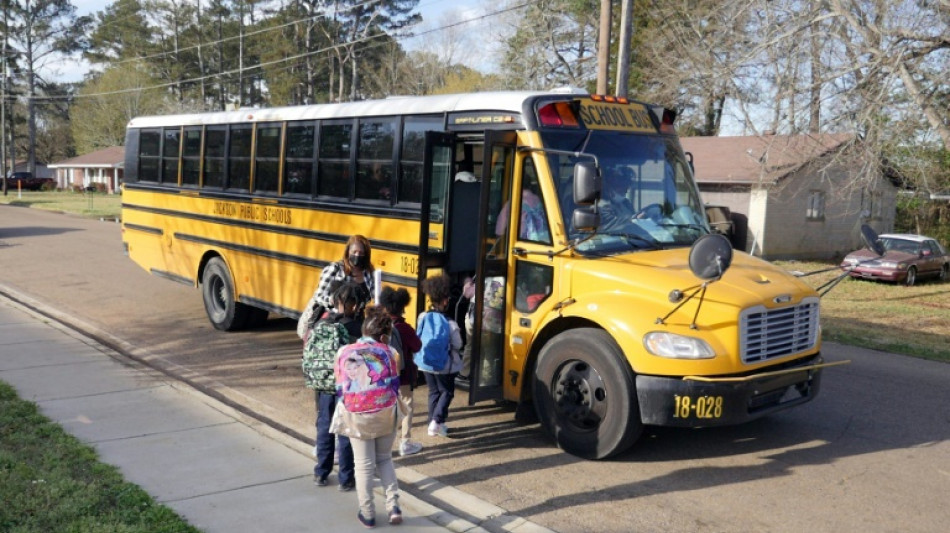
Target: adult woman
(356,266)
(368,414)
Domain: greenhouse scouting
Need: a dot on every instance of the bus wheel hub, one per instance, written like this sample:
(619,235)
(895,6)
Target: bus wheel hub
(579,396)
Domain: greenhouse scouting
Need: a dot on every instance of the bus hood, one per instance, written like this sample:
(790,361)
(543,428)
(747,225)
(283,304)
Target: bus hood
(633,294)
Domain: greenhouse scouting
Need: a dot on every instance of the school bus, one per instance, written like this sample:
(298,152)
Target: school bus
(603,301)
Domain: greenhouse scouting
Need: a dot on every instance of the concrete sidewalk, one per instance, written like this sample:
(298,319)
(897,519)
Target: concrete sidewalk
(218,468)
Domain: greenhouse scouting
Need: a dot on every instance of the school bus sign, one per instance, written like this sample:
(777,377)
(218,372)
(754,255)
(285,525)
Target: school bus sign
(616,117)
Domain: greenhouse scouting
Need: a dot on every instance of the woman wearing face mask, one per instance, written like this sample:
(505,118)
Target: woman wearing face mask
(356,266)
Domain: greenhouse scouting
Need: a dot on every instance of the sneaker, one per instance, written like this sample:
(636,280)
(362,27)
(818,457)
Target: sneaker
(407,447)
(319,481)
(434,428)
(347,487)
(395,516)
(443,430)
(367,522)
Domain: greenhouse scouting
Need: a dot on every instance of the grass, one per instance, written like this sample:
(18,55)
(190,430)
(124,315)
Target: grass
(49,481)
(883,316)
(93,205)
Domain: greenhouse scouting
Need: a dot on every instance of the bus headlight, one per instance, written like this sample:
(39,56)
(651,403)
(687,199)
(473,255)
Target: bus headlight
(676,346)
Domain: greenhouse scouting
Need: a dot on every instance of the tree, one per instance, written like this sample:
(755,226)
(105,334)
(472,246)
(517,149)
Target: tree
(352,28)
(38,30)
(104,106)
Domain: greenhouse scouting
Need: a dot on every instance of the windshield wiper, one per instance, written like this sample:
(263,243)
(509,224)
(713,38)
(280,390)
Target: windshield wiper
(696,227)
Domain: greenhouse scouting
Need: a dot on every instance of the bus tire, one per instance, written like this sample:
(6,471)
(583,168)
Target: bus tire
(217,290)
(585,394)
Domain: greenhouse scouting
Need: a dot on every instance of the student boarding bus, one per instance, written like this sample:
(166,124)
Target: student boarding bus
(603,299)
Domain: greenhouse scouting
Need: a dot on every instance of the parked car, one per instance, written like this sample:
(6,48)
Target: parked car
(899,258)
(25,181)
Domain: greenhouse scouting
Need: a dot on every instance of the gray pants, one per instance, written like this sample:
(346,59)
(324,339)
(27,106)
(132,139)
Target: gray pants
(369,456)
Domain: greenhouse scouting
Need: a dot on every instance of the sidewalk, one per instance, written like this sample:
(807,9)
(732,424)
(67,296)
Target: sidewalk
(221,470)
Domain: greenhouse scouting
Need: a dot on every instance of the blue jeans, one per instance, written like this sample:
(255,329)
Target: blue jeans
(441,392)
(326,442)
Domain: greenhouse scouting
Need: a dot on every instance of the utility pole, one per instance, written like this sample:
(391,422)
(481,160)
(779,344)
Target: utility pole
(623,54)
(603,48)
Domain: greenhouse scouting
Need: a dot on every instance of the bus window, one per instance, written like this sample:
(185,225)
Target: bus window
(191,157)
(334,169)
(413,151)
(150,142)
(214,156)
(533,223)
(239,157)
(267,158)
(170,146)
(374,175)
(298,165)
(533,284)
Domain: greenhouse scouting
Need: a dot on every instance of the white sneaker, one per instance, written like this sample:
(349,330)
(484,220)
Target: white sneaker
(434,428)
(407,447)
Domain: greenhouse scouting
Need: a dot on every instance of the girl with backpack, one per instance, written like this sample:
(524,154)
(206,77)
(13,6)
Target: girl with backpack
(439,359)
(395,301)
(367,378)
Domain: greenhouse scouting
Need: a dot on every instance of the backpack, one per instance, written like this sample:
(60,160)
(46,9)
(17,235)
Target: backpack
(319,354)
(435,333)
(376,382)
(534,227)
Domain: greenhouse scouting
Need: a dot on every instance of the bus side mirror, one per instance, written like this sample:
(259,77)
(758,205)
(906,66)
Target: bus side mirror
(587,183)
(585,219)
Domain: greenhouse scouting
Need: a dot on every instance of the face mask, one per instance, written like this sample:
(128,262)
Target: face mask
(358,261)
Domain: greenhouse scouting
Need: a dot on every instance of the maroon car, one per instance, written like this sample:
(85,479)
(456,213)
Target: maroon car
(899,258)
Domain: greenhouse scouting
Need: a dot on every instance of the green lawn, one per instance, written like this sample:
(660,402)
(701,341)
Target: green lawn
(94,205)
(883,316)
(49,481)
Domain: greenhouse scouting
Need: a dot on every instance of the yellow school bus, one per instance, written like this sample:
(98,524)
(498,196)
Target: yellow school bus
(603,301)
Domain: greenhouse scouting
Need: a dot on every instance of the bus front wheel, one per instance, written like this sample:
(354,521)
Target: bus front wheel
(217,289)
(585,394)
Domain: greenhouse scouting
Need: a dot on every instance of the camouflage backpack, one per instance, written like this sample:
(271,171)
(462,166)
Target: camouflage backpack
(319,354)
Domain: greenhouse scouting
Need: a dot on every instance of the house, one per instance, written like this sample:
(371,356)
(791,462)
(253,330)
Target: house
(795,197)
(24,166)
(102,166)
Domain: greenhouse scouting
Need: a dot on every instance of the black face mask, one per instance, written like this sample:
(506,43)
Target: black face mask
(358,261)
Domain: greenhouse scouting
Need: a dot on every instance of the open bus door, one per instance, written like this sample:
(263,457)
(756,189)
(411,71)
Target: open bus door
(491,274)
(436,180)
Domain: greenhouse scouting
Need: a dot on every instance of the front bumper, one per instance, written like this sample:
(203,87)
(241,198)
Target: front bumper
(694,401)
(878,274)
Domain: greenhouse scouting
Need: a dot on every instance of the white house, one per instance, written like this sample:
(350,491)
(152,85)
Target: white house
(102,166)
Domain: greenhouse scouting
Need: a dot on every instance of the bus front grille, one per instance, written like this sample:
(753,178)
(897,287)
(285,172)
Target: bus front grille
(770,333)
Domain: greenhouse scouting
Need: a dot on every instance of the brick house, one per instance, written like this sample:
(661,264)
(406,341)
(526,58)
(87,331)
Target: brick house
(102,166)
(794,197)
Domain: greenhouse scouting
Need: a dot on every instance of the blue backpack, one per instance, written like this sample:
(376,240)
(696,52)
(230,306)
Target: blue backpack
(435,333)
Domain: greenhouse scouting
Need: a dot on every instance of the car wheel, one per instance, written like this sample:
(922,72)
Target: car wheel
(911,277)
(217,291)
(585,394)
(944,272)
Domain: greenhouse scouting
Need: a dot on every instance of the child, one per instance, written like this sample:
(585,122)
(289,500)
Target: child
(337,327)
(395,302)
(439,357)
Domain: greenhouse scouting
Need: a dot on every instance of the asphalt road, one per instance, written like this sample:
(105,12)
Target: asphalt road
(870,454)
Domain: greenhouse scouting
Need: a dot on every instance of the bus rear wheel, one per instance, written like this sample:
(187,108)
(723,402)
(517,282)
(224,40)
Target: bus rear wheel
(585,394)
(217,290)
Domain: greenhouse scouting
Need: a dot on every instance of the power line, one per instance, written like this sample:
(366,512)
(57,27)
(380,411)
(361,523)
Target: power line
(259,66)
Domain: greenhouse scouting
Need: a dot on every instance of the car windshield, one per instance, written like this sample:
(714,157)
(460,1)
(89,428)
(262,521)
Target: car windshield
(900,245)
(648,199)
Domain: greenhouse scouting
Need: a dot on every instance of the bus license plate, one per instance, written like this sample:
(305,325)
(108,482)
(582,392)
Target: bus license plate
(703,407)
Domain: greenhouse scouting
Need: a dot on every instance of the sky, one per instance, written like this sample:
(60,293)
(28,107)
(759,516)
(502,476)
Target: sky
(73,69)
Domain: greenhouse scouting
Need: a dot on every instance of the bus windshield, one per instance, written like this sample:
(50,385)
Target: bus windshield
(648,200)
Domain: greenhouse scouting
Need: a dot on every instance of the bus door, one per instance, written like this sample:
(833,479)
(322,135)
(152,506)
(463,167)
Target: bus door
(436,180)
(491,274)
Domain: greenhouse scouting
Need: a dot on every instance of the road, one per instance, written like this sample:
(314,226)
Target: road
(870,454)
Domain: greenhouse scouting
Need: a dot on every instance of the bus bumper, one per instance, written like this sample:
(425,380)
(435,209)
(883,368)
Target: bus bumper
(695,401)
